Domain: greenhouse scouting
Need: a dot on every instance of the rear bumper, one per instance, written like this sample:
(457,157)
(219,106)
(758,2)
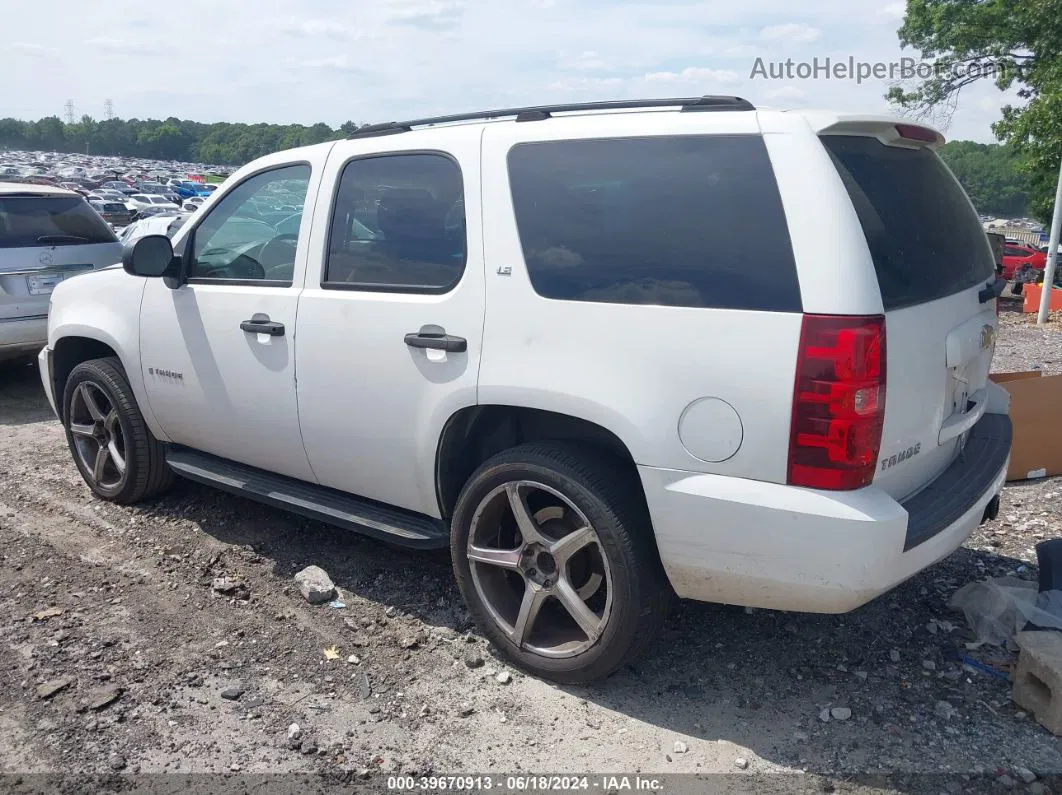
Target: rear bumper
(768,545)
(22,335)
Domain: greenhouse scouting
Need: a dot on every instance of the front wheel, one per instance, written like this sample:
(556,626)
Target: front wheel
(114,450)
(553,552)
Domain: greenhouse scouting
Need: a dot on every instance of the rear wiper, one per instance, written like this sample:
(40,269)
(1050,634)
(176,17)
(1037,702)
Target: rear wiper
(62,239)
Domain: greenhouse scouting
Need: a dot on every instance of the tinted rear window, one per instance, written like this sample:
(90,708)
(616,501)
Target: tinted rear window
(924,237)
(50,221)
(692,221)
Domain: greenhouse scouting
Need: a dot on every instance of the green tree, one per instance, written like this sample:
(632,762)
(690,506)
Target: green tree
(1016,44)
(991,175)
(171,139)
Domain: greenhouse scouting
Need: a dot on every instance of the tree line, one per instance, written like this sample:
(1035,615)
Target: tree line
(991,173)
(170,139)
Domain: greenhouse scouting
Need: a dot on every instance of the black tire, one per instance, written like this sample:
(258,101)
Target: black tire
(146,473)
(609,495)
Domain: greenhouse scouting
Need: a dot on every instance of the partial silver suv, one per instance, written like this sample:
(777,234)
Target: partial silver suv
(46,235)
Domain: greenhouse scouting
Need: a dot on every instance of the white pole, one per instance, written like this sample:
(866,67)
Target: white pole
(1052,254)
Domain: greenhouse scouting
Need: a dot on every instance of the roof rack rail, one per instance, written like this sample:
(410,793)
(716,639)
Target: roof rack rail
(541,112)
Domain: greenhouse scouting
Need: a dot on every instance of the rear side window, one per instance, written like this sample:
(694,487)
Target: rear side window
(692,221)
(50,221)
(398,225)
(924,236)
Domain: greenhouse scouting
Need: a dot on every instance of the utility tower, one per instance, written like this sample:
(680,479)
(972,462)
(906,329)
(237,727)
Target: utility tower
(108,109)
(69,111)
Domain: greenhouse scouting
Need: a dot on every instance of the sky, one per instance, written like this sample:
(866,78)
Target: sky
(304,61)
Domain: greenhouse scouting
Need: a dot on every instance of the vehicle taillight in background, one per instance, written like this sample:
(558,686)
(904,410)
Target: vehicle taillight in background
(838,402)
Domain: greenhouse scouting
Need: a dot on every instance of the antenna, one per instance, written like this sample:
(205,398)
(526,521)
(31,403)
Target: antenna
(108,109)
(69,111)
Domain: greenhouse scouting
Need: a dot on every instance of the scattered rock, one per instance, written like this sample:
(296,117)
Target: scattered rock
(49,689)
(233,693)
(504,678)
(102,697)
(1038,788)
(230,587)
(474,660)
(364,688)
(681,747)
(409,642)
(861,675)
(1007,781)
(51,612)
(824,715)
(945,710)
(315,585)
(1025,774)
(801,737)
(741,763)
(116,761)
(840,713)
(294,736)
(929,665)
(894,655)
(354,659)
(465,710)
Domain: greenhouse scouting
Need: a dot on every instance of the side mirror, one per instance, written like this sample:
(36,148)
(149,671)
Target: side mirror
(150,255)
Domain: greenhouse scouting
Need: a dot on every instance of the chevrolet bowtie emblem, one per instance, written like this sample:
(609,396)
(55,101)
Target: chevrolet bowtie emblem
(988,336)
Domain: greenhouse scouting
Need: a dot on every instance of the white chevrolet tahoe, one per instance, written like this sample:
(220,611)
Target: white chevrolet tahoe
(606,353)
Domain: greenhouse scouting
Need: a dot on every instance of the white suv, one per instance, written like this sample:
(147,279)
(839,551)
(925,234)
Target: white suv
(46,235)
(606,353)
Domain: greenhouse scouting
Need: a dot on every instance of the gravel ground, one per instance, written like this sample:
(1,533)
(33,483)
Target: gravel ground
(154,670)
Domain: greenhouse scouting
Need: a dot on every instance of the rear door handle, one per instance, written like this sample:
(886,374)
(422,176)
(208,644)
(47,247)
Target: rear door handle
(261,324)
(435,337)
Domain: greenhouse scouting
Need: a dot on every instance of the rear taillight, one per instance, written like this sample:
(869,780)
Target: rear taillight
(838,402)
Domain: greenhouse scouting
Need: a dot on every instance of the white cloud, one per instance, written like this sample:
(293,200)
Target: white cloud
(744,51)
(374,60)
(785,92)
(36,50)
(338,63)
(318,28)
(894,10)
(586,83)
(115,46)
(693,75)
(791,33)
(431,14)
(588,60)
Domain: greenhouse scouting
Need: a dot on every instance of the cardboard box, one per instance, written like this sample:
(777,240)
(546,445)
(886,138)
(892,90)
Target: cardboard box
(1036,412)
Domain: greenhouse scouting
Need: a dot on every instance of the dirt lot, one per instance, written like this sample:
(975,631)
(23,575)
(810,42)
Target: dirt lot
(156,672)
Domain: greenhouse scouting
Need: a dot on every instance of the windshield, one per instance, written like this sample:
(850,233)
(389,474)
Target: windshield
(113,207)
(159,200)
(50,221)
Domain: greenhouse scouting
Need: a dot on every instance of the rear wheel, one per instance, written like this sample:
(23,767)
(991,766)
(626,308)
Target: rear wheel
(115,452)
(553,552)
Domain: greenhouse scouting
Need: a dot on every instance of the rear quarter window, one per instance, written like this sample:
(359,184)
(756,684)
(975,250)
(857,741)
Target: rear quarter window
(924,236)
(50,221)
(685,221)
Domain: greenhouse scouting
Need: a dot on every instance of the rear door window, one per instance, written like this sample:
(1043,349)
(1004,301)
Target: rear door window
(693,221)
(50,221)
(924,235)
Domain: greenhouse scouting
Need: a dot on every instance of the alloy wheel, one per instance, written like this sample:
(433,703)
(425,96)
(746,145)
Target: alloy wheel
(540,570)
(98,438)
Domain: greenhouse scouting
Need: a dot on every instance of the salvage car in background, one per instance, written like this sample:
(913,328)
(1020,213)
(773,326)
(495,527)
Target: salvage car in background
(46,235)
